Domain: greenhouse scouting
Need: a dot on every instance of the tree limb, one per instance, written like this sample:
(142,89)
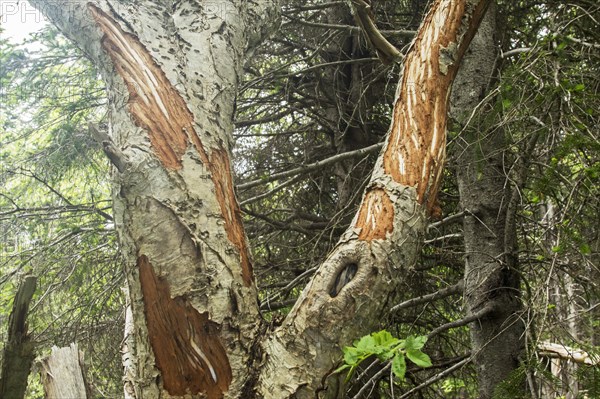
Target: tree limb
(364,17)
(446,292)
(462,322)
(313,166)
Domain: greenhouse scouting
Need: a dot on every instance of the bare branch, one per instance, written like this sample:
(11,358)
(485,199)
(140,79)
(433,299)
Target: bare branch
(372,381)
(550,349)
(311,167)
(446,292)
(442,238)
(436,377)
(448,220)
(394,32)
(462,322)
(515,51)
(364,17)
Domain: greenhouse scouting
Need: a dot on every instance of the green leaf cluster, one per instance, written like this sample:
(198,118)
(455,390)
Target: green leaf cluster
(386,347)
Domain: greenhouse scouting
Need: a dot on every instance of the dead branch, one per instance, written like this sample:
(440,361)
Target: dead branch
(443,293)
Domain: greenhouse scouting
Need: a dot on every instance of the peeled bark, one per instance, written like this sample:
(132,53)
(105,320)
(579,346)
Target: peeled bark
(171,74)
(491,276)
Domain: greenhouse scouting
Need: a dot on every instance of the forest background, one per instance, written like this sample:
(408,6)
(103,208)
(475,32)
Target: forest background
(312,110)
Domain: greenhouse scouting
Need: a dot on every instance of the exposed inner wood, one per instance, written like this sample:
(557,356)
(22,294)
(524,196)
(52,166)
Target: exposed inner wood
(415,152)
(185,342)
(153,101)
(158,107)
(62,374)
(221,174)
(376,215)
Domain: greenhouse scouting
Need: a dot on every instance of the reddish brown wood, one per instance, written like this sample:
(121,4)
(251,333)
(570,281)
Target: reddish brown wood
(185,343)
(376,215)
(159,109)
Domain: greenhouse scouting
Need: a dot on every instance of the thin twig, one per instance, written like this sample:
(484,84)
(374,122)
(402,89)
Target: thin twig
(436,377)
(462,322)
(443,238)
(447,220)
(446,292)
(373,380)
(515,51)
(313,166)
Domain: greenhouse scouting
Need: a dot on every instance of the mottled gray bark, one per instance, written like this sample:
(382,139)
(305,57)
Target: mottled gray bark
(171,70)
(491,274)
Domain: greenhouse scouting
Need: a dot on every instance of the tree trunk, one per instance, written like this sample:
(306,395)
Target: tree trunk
(62,374)
(491,276)
(19,349)
(171,74)
(350,291)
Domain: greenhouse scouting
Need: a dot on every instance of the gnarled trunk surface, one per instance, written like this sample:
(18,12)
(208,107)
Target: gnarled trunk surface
(350,291)
(171,72)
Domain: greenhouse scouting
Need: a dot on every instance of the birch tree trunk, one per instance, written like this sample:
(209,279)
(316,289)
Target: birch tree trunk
(171,70)
(491,276)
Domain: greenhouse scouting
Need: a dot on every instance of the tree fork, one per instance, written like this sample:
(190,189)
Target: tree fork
(171,88)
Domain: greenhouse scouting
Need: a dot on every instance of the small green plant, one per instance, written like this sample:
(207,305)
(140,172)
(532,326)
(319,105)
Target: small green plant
(385,347)
(453,385)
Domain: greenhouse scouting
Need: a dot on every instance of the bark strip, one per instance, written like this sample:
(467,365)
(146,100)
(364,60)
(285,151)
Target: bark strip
(158,108)
(185,342)
(220,168)
(415,151)
(153,101)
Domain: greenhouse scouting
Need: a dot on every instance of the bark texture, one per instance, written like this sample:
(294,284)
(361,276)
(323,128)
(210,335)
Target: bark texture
(62,374)
(18,353)
(171,71)
(491,276)
(385,236)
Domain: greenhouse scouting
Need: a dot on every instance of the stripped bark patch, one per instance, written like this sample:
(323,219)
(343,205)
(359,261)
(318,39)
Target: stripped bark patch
(415,151)
(154,103)
(185,342)
(157,107)
(376,216)
(221,174)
